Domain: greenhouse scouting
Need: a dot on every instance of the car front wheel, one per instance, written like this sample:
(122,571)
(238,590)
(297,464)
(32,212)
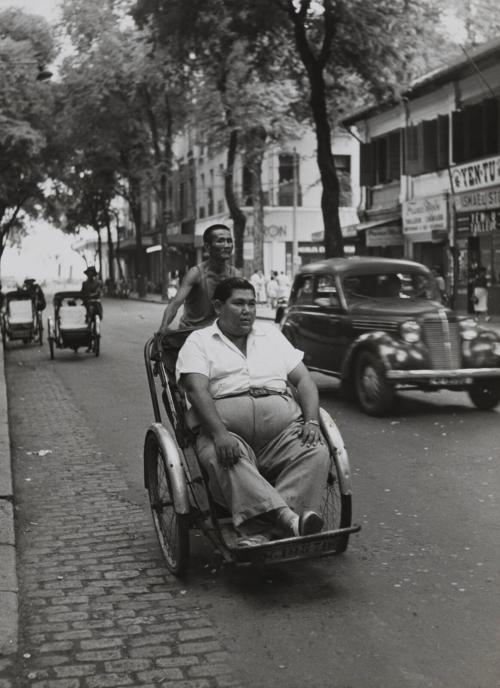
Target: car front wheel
(375,394)
(485,395)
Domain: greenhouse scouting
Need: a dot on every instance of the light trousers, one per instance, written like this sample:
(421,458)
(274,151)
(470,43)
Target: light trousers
(275,469)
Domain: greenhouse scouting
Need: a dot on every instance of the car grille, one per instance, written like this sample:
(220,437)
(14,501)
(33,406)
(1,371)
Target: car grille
(442,338)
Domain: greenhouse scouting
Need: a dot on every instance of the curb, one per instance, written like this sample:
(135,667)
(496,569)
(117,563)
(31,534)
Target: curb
(8,572)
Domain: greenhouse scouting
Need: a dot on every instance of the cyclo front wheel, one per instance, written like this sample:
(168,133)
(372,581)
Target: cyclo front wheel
(172,529)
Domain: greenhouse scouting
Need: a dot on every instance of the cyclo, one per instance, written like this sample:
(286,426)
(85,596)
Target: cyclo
(177,485)
(20,318)
(76,323)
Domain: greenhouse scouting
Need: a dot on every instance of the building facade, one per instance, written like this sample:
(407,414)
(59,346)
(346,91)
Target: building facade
(196,199)
(429,173)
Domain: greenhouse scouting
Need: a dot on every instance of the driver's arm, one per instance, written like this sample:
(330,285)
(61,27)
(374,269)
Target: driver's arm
(188,283)
(308,400)
(196,387)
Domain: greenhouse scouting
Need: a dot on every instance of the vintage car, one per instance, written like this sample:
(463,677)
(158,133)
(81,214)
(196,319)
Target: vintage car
(377,324)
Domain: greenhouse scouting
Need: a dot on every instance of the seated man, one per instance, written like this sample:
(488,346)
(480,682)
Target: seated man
(263,452)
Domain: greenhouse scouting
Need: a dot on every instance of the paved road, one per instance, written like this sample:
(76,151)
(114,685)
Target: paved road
(414,602)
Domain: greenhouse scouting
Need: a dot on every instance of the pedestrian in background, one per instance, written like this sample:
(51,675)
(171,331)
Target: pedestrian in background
(258,283)
(481,294)
(272,289)
(440,284)
(283,285)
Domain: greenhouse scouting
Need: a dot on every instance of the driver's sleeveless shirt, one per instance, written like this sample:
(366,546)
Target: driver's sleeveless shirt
(198,307)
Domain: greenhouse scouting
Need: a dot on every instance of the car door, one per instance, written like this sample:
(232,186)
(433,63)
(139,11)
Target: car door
(328,323)
(300,316)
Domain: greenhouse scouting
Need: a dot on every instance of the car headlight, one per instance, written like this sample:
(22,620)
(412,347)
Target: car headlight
(468,329)
(410,331)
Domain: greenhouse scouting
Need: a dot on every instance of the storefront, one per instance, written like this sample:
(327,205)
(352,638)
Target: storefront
(384,240)
(477,229)
(425,230)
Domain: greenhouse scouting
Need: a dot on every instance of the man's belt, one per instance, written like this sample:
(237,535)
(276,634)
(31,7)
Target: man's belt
(256,392)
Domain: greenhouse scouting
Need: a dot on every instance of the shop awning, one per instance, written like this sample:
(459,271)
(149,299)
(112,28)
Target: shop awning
(392,220)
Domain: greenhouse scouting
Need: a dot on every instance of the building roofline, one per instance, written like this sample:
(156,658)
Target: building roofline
(437,77)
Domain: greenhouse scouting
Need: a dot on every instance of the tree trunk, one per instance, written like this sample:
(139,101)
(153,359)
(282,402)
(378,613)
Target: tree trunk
(334,245)
(162,212)
(237,215)
(254,158)
(111,252)
(140,258)
(99,250)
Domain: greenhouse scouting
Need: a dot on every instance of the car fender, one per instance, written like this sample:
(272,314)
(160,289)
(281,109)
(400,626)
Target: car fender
(377,343)
(288,330)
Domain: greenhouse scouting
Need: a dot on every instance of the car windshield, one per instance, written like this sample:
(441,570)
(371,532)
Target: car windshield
(390,285)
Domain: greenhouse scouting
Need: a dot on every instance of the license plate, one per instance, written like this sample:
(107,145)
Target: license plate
(450,381)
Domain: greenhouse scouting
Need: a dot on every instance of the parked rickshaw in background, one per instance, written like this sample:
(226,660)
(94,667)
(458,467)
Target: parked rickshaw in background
(75,324)
(20,319)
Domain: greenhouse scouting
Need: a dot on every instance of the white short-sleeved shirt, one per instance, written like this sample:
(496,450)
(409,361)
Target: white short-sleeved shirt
(270,358)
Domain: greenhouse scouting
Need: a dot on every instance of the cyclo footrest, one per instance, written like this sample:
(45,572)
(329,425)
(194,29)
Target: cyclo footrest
(294,548)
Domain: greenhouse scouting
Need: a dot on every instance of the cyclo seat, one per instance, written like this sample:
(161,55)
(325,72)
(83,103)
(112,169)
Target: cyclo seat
(168,346)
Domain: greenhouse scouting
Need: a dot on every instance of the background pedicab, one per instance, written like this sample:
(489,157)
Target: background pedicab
(20,318)
(178,491)
(74,324)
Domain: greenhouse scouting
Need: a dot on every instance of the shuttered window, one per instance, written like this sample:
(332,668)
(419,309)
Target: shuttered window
(367,178)
(491,126)
(411,150)
(381,160)
(457,123)
(429,146)
(473,130)
(394,155)
(443,141)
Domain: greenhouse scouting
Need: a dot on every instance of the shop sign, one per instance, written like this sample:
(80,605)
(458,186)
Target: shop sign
(271,232)
(478,222)
(476,175)
(311,247)
(425,215)
(384,236)
(478,200)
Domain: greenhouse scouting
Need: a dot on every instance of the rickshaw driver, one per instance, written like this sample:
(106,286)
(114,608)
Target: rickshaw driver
(198,285)
(91,292)
(250,432)
(36,293)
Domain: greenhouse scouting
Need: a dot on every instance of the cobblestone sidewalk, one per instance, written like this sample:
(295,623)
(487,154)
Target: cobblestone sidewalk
(97,607)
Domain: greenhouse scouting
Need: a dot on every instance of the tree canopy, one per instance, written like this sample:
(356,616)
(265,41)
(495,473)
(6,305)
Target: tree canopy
(25,119)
